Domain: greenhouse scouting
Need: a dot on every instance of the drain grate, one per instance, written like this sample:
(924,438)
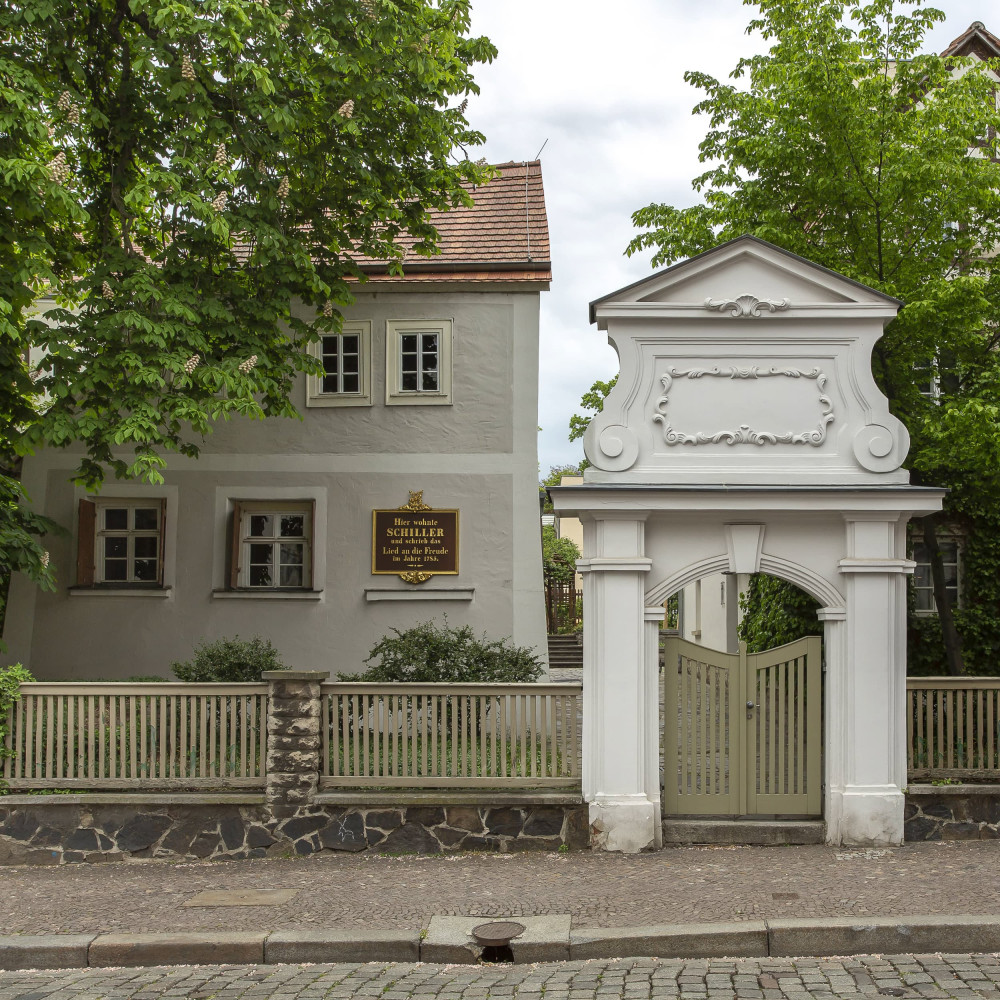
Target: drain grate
(495,937)
(497,932)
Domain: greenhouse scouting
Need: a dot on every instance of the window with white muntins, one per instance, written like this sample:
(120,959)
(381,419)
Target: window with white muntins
(128,547)
(923,583)
(418,361)
(272,545)
(346,360)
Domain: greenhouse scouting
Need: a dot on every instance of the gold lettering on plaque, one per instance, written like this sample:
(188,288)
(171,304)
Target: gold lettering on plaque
(415,541)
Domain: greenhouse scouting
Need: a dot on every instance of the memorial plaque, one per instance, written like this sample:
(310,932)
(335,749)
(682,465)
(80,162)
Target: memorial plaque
(415,542)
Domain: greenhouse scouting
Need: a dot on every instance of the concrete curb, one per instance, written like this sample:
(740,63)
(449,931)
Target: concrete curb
(883,935)
(288,947)
(742,940)
(545,939)
(177,949)
(552,941)
(45,951)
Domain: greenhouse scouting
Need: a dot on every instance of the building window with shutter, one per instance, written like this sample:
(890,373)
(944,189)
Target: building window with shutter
(346,361)
(121,542)
(272,545)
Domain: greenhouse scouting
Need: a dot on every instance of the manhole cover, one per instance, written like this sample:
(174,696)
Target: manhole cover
(497,932)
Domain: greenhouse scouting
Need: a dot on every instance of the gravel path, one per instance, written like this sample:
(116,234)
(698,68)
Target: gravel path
(675,885)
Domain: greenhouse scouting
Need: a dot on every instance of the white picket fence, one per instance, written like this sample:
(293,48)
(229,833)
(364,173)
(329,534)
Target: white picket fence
(132,736)
(454,735)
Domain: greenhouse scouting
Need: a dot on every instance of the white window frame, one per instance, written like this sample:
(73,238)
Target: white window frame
(943,537)
(395,395)
(275,509)
(315,394)
(226,496)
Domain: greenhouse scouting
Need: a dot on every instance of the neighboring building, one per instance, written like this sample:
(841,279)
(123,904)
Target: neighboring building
(571,527)
(431,387)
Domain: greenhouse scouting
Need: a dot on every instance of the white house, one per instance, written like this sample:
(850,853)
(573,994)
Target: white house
(430,394)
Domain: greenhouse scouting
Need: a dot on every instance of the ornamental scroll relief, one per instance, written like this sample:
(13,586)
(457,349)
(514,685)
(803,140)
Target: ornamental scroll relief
(746,306)
(744,434)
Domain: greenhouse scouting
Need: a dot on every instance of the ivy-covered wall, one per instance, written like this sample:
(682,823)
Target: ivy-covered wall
(776,612)
(978,618)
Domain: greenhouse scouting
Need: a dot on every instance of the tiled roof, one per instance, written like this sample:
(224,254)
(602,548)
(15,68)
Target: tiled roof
(503,236)
(975,40)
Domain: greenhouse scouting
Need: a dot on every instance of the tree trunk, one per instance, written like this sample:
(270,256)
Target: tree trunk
(952,640)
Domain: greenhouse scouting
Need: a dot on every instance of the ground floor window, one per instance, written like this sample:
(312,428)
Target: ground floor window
(272,545)
(120,542)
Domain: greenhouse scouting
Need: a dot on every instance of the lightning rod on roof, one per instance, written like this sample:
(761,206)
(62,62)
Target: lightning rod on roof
(539,153)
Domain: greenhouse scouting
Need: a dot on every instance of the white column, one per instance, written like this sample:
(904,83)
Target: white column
(866,689)
(623,815)
(653,618)
(834,687)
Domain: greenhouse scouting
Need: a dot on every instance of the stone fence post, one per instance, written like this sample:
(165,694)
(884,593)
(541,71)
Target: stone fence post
(293,738)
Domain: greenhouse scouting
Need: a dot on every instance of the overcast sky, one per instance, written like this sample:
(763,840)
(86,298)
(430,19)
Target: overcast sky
(603,83)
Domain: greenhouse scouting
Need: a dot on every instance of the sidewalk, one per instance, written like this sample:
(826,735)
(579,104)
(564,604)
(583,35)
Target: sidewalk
(681,885)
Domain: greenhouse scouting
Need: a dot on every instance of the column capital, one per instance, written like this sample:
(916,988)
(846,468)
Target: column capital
(614,564)
(295,675)
(890,516)
(877,565)
(614,515)
(656,614)
(832,614)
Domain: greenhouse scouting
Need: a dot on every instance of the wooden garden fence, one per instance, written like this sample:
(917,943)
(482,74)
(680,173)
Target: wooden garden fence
(137,736)
(563,607)
(454,735)
(952,727)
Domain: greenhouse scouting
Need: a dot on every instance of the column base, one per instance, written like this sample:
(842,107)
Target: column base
(865,816)
(626,823)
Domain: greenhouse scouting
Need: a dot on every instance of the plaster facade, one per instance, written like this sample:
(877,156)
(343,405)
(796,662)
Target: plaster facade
(477,453)
(779,456)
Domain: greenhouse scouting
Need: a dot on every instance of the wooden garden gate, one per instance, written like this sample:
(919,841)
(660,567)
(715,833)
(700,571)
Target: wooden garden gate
(743,731)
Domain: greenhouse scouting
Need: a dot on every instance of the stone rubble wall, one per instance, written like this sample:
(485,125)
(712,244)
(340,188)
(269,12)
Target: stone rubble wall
(952,812)
(53,832)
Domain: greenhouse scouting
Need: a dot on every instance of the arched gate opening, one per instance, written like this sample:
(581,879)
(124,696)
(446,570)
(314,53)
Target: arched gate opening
(746,434)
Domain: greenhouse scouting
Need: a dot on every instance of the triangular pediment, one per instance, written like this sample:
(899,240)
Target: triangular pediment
(745,365)
(741,271)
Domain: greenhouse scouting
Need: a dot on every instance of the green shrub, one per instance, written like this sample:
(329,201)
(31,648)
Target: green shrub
(229,661)
(11,679)
(439,654)
(559,556)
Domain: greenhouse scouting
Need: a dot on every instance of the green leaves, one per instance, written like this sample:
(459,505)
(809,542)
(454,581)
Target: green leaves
(775,612)
(559,556)
(141,261)
(844,144)
(593,399)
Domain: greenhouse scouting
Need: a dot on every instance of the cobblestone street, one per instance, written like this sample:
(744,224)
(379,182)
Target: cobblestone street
(908,976)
